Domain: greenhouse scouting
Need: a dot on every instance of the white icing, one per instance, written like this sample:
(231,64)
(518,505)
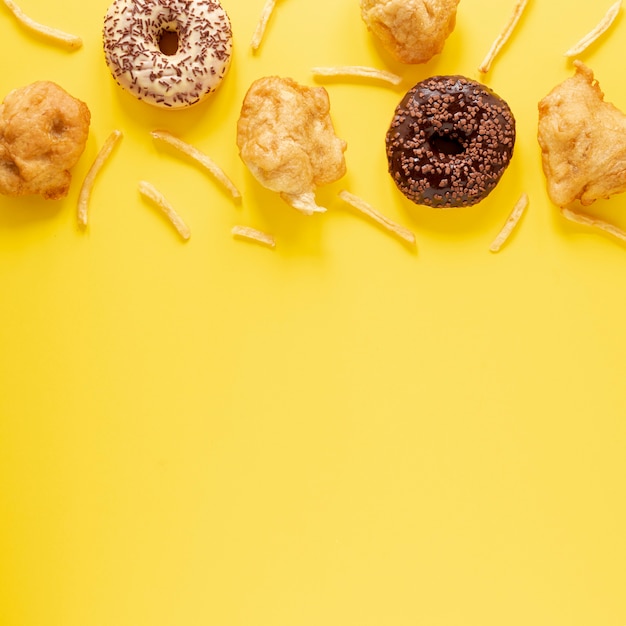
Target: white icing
(132,31)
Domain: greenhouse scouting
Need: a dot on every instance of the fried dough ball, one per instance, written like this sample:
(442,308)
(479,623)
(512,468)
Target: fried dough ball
(413,31)
(287,140)
(583,141)
(43,132)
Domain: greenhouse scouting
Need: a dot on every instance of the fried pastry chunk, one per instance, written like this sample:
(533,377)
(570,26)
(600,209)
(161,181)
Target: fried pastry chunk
(413,31)
(583,141)
(287,140)
(43,132)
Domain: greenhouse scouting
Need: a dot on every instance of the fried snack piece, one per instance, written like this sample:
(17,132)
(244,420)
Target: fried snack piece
(287,140)
(43,132)
(413,31)
(583,141)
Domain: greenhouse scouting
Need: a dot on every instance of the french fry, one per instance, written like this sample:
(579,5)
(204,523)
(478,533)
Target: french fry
(268,9)
(53,34)
(253,234)
(366,209)
(503,37)
(587,220)
(86,189)
(199,157)
(359,71)
(148,191)
(595,33)
(510,224)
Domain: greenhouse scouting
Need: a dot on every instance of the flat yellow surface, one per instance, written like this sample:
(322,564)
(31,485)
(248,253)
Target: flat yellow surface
(340,431)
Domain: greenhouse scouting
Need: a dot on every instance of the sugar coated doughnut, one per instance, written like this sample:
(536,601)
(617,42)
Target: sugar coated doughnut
(170,53)
(449,142)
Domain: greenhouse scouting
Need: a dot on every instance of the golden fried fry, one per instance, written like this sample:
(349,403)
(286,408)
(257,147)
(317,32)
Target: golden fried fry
(359,71)
(594,34)
(287,140)
(101,158)
(148,191)
(583,141)
(587,220)
(43,132)
(266,13)
(253,234)
(199,157)
(510,224)
(503,37)
(366,209)
(56,36)
(413,31)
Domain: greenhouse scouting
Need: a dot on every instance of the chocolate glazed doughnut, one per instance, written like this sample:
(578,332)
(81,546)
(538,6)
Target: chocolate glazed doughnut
(449,142)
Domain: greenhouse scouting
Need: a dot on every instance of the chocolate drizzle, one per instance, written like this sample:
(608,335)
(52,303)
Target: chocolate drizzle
(449,142)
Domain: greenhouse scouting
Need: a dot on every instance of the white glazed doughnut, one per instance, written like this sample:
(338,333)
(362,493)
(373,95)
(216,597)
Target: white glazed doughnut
(170,53)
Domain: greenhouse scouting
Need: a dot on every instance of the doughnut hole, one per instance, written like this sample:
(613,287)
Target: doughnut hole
(448,143)
(168,41)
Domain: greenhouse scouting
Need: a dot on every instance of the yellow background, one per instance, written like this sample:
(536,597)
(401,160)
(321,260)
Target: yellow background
(342,430)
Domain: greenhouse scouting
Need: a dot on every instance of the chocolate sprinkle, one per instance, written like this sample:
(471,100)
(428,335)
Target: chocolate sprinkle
(449,142)
(132,32)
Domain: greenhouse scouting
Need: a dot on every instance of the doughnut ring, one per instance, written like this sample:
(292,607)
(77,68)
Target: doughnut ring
(170,53)
(449,142)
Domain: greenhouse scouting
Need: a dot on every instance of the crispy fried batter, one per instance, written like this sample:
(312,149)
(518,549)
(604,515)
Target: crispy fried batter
(43,132)
(413,31)
(583,141)
(287,140)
